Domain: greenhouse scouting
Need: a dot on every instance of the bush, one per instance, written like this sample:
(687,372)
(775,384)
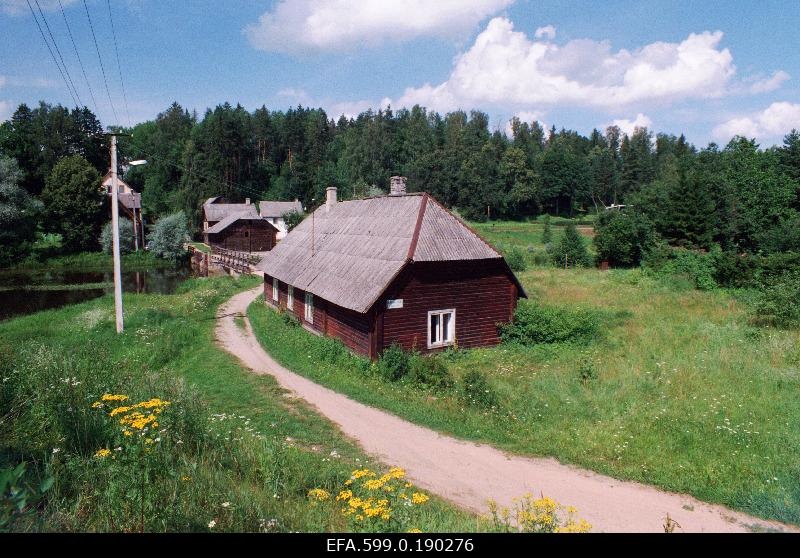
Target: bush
(292,219)
(623,238)
(547,233)
(477,391)
(394,363)
(778,301)
(570,251)
(125,237)
(430,371)
(515,259)
(168,236)
(534,323)
(696,267)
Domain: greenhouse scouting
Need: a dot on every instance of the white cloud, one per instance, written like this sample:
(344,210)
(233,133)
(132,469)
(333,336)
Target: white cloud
(548,32)
(303,26)
(775,121)
(506,66)
(5,110)
(769,84)
(629,126)
(18,7)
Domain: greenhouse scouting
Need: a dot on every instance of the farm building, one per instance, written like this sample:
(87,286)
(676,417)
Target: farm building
(130,205)
(273,211)
(243,232)
(397,269)
(215,210)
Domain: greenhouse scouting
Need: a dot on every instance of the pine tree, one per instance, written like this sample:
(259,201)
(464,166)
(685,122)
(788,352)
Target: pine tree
(570,251)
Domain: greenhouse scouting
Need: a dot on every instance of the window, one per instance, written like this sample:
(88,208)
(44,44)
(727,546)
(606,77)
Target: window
(275,289)
(310,308)
(441,328)
(290,298)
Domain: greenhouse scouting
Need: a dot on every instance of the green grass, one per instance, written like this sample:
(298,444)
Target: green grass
(201,246)
(229,435)
(682,393)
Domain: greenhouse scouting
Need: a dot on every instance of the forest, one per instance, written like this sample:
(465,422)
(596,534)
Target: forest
(739,198)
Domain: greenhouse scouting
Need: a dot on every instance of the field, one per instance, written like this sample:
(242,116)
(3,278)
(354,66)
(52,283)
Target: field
(678,390)
(230,452)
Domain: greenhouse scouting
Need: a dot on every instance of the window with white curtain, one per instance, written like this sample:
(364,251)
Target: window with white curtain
(274,289)
(441,328)
(290,298)
(310,308)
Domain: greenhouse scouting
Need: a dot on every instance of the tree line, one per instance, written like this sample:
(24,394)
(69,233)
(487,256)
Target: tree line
(738,196)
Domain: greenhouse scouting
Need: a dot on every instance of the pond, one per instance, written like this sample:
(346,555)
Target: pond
(26,292)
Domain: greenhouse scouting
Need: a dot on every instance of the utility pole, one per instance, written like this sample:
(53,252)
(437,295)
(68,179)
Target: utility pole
(115,229)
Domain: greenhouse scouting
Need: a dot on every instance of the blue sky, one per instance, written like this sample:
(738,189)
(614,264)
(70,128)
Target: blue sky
(709,69)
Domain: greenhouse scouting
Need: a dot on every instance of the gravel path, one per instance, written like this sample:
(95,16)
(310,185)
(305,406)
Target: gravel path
(468,474)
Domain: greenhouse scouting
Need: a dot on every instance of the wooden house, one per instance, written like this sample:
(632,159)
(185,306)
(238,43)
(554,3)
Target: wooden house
(243,232)
(273,211)
(215,210)
(130,206)
(398,269)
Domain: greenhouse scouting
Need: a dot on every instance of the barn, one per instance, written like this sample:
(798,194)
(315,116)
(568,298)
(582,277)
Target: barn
(397,269)
(243,232)
(215,210)
(273,211)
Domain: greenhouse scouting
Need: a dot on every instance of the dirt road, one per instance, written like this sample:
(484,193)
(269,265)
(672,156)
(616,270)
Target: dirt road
(468,474)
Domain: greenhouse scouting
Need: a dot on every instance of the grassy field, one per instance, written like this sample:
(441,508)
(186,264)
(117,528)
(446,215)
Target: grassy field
(678,390)
(230,452)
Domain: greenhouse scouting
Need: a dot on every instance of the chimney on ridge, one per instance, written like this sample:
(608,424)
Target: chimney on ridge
(330,199)
(397,186)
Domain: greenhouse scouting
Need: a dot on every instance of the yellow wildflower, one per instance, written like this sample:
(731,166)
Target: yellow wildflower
(373,484)
(396,473)
(344,495)
(319,494)
(112,397)
(414,530)
(348,482)
(186,478)
(97,404)
(119,410)
(419,498)
(101,453)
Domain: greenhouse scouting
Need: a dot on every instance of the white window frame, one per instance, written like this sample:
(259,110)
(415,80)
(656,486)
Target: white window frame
(290,297)
(452,333)
(309,308)
(275,290)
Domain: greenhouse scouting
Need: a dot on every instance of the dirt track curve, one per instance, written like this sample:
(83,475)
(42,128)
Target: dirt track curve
(468,473)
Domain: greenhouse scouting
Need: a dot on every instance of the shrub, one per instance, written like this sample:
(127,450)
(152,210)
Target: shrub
(394,363)
(534,323)
(696,267)
(168,236)
(570,251)
(477,391)
(515,259)
(125,237)
(778,301)
(587,371)
(430,371)
(623,238)
(547,233)
(292,219)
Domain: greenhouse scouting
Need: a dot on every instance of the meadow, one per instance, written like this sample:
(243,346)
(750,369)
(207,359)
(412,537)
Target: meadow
(677,388)
(157,429)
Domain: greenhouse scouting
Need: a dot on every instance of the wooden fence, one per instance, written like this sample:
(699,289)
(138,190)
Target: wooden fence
(237,261)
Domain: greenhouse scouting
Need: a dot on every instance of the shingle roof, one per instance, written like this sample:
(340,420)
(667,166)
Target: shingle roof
(360,246)
(218,211)
(278,208)
(132,200)
(233,218)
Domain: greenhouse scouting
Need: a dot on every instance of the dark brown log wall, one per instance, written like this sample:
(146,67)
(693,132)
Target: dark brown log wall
(246,236)
(481,292)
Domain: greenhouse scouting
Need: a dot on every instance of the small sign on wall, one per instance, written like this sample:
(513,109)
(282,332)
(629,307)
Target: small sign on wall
(393,303)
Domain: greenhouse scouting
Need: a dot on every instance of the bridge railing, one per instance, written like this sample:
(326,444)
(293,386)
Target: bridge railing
(232,259)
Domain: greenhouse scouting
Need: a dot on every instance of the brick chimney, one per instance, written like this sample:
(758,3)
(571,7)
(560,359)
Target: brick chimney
(397,186)
(330,199)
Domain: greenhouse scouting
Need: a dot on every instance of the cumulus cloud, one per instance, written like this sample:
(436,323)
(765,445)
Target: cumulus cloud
(768,84)
(548,32)
(629,126)
(18,7)
(305,26)
(5,110)
(776,120)
(506,66)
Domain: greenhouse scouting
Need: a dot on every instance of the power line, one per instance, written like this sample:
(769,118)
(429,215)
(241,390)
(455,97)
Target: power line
(119,66)
(58,51)
(83,69)
(55,60)
(100,58)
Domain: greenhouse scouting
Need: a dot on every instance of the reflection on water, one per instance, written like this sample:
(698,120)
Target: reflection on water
(22,300)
